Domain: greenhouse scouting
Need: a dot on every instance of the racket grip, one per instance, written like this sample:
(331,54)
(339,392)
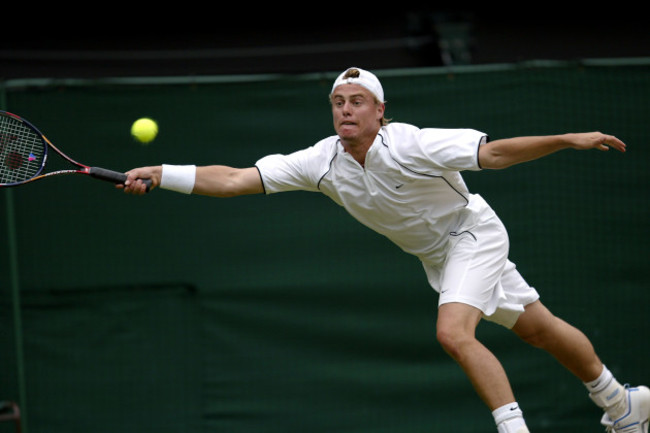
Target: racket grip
(113,176)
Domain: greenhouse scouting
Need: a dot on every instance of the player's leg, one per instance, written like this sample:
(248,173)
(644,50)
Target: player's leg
(456,333)
(469,286)
(538,327)
(456,327)
(626,409)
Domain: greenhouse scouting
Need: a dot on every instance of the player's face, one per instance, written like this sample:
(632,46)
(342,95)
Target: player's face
(356,114)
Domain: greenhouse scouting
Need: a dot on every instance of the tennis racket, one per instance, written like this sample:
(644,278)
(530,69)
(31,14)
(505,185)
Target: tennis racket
(24,151)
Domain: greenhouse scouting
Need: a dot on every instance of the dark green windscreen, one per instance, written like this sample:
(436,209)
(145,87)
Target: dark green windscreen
(174,313)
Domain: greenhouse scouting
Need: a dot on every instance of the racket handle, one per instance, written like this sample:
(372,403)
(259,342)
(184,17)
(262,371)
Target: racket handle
(113,176)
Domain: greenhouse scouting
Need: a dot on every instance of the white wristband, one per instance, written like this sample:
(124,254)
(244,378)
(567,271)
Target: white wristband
(179,178)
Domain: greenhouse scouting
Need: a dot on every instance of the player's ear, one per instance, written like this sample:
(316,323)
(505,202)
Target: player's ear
(381,109)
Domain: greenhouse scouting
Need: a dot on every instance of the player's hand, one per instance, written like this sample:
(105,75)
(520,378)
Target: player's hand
(596,140)
(134,184)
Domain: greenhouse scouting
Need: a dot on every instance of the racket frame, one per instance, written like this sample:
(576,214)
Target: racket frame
(96,172)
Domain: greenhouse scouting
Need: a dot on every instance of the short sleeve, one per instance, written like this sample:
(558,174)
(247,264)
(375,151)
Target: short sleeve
(437,149)
(297,171)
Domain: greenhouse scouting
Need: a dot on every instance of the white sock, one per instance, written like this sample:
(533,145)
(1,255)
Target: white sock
(510,419)
(608,394)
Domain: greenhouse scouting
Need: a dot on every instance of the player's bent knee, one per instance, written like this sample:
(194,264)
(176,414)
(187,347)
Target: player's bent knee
(540,333)
(536,339)
(454,342)
(456,327)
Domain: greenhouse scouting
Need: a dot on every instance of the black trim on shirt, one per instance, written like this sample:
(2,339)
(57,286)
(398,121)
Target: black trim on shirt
(423,174)
(261,179)
(328,170)
(478,161)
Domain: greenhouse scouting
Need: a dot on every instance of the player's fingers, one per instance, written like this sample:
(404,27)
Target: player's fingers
(136,187)
(140,186)
(614,143)
(132,175)
(131,184)
(603,142)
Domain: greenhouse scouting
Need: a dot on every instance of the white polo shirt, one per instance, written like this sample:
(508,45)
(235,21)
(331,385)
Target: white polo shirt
(410,189)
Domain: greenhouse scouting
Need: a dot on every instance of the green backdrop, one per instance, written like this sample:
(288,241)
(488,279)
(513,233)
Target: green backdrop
(174,313)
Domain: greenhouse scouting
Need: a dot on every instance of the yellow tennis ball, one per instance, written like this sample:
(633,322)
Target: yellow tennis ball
(144,130)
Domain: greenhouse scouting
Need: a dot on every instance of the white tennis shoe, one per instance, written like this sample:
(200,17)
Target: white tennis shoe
(635,419)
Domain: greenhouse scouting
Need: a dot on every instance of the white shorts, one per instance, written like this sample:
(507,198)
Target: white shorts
(477,272)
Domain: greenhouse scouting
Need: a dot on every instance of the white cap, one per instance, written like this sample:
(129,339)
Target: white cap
(365,79)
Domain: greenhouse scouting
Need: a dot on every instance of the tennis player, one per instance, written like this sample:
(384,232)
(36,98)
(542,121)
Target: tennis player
(405,183)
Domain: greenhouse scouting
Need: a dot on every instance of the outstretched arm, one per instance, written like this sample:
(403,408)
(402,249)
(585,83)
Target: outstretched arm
(510,151)
(213,180)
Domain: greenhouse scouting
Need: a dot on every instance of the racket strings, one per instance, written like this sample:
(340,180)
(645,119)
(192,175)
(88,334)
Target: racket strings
(21,151)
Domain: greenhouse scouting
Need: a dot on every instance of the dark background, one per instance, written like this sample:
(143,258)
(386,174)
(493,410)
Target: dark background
(182,314)
(169,313)
(150,41)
